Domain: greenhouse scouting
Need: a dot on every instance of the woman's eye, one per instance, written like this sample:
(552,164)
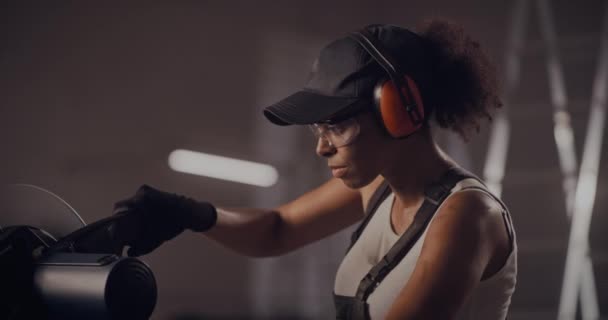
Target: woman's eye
(335,128)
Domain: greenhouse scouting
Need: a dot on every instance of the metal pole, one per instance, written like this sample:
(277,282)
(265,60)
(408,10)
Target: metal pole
(494,170)
(578,250)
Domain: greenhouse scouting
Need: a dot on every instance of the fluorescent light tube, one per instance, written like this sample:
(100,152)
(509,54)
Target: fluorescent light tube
(223,168)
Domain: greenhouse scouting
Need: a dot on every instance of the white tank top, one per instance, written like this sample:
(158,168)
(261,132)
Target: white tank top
(490,299)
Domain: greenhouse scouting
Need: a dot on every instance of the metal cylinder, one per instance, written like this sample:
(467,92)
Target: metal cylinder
(95,286)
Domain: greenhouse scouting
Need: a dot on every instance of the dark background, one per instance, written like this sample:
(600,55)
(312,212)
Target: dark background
(95,95)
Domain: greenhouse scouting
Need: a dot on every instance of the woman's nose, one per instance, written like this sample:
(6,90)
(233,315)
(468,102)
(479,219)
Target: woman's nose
(324,147)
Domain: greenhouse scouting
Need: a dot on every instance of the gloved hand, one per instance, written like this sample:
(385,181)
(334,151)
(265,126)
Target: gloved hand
(155,216)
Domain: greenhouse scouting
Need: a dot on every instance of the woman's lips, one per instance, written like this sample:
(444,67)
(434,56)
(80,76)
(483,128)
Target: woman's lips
(338,171)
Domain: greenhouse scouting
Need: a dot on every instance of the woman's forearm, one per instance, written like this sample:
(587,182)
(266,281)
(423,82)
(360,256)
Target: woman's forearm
(249,231)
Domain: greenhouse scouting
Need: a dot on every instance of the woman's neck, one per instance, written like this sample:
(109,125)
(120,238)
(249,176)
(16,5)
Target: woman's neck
(418,163)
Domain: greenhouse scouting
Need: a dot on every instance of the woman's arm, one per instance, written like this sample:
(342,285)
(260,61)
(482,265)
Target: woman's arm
(314,215)
(466,234)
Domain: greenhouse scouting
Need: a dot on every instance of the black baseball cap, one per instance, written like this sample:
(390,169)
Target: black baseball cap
(344,75)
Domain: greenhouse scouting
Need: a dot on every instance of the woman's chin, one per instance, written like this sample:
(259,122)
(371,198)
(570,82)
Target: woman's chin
(353,182)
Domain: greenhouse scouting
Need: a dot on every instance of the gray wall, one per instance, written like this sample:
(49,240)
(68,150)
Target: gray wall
(94,96)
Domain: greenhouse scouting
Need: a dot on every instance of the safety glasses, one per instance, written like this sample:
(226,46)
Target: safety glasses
(337,134)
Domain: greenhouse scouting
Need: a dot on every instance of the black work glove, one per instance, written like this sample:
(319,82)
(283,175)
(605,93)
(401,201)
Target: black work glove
(154,216)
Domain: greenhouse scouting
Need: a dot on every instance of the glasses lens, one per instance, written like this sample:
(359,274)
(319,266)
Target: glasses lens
(338,134)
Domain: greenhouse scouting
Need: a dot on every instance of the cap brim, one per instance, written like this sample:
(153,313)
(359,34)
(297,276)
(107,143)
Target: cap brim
(306,107)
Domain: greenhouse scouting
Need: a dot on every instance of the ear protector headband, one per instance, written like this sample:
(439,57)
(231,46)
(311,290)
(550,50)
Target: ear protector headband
(398,102)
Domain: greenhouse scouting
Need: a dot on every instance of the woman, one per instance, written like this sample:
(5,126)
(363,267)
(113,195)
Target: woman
(434,243)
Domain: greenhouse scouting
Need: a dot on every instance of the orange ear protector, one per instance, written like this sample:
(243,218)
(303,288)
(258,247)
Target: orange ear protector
(398,101)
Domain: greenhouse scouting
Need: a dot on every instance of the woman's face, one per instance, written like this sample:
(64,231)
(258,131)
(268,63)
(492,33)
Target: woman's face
(359,162)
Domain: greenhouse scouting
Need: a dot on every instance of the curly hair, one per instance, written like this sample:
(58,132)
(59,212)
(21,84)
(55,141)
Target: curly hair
(464,89)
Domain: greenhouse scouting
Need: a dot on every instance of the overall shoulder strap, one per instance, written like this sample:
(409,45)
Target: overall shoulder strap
(435,194)
(374,202)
